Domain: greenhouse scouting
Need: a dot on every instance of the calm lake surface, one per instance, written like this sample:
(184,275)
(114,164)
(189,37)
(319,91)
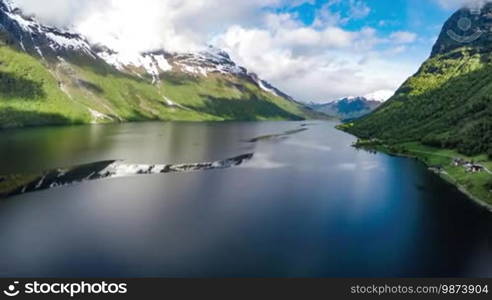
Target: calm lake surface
(306,205)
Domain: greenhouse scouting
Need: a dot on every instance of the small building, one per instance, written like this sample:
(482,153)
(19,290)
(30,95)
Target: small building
(470,167)
(458,162)
(473,168)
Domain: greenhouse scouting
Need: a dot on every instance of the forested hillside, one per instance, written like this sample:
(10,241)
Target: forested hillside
(447,104)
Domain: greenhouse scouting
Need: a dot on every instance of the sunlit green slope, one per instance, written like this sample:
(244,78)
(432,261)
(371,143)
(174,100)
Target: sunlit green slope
(35,92)
(448,102)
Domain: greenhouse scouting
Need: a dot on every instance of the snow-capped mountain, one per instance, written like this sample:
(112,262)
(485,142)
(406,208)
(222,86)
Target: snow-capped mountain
(37,39)
(348,108)
(52,43)
(209,61)
(71,80)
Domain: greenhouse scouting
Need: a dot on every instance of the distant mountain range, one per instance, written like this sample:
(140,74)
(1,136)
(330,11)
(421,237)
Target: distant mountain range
(347,108)
(52,76)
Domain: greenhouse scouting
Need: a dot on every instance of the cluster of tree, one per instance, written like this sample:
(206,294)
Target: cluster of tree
(477,139)
(474,140)
(489,186)
(12,86)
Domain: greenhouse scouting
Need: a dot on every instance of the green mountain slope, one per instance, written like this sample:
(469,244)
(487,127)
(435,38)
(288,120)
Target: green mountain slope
(34,93)
(30,95)
(444,111)
(448,102)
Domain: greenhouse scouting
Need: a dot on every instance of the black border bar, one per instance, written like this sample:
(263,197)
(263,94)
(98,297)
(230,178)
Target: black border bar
(342,288)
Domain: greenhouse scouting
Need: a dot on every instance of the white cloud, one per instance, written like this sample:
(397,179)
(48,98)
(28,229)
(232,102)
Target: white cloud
(403,37)
(359,9)
(317,64)
(60,12)
(381,95)
(147,24)
(330,14)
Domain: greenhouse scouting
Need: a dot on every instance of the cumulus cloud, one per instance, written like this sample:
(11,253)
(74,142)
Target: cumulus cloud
(318,64)
(359,9)
(403,37)
(60,12)
(313,62)
(146,24)
(331,12)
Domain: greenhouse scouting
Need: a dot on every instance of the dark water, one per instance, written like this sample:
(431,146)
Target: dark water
(306,205)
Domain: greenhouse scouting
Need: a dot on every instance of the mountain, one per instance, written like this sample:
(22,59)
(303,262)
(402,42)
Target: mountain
(347,108)
(447,103)
(442,115)
(53,76)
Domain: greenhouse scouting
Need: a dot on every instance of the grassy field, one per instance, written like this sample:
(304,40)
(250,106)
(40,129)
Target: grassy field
(477,185)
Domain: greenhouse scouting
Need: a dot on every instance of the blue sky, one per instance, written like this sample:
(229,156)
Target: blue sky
(417,15)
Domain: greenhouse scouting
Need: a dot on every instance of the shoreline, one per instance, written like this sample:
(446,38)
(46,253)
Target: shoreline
(442,174)
(446,177)
(212,121)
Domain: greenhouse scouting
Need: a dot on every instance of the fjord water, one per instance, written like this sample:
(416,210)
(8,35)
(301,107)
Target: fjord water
(306,205)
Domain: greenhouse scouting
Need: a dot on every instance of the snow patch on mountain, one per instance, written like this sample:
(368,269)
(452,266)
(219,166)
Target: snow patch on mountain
(98,116)
(211,60)
(153,64)
(171,103)
(34,36)
(68,41)
(9,5)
